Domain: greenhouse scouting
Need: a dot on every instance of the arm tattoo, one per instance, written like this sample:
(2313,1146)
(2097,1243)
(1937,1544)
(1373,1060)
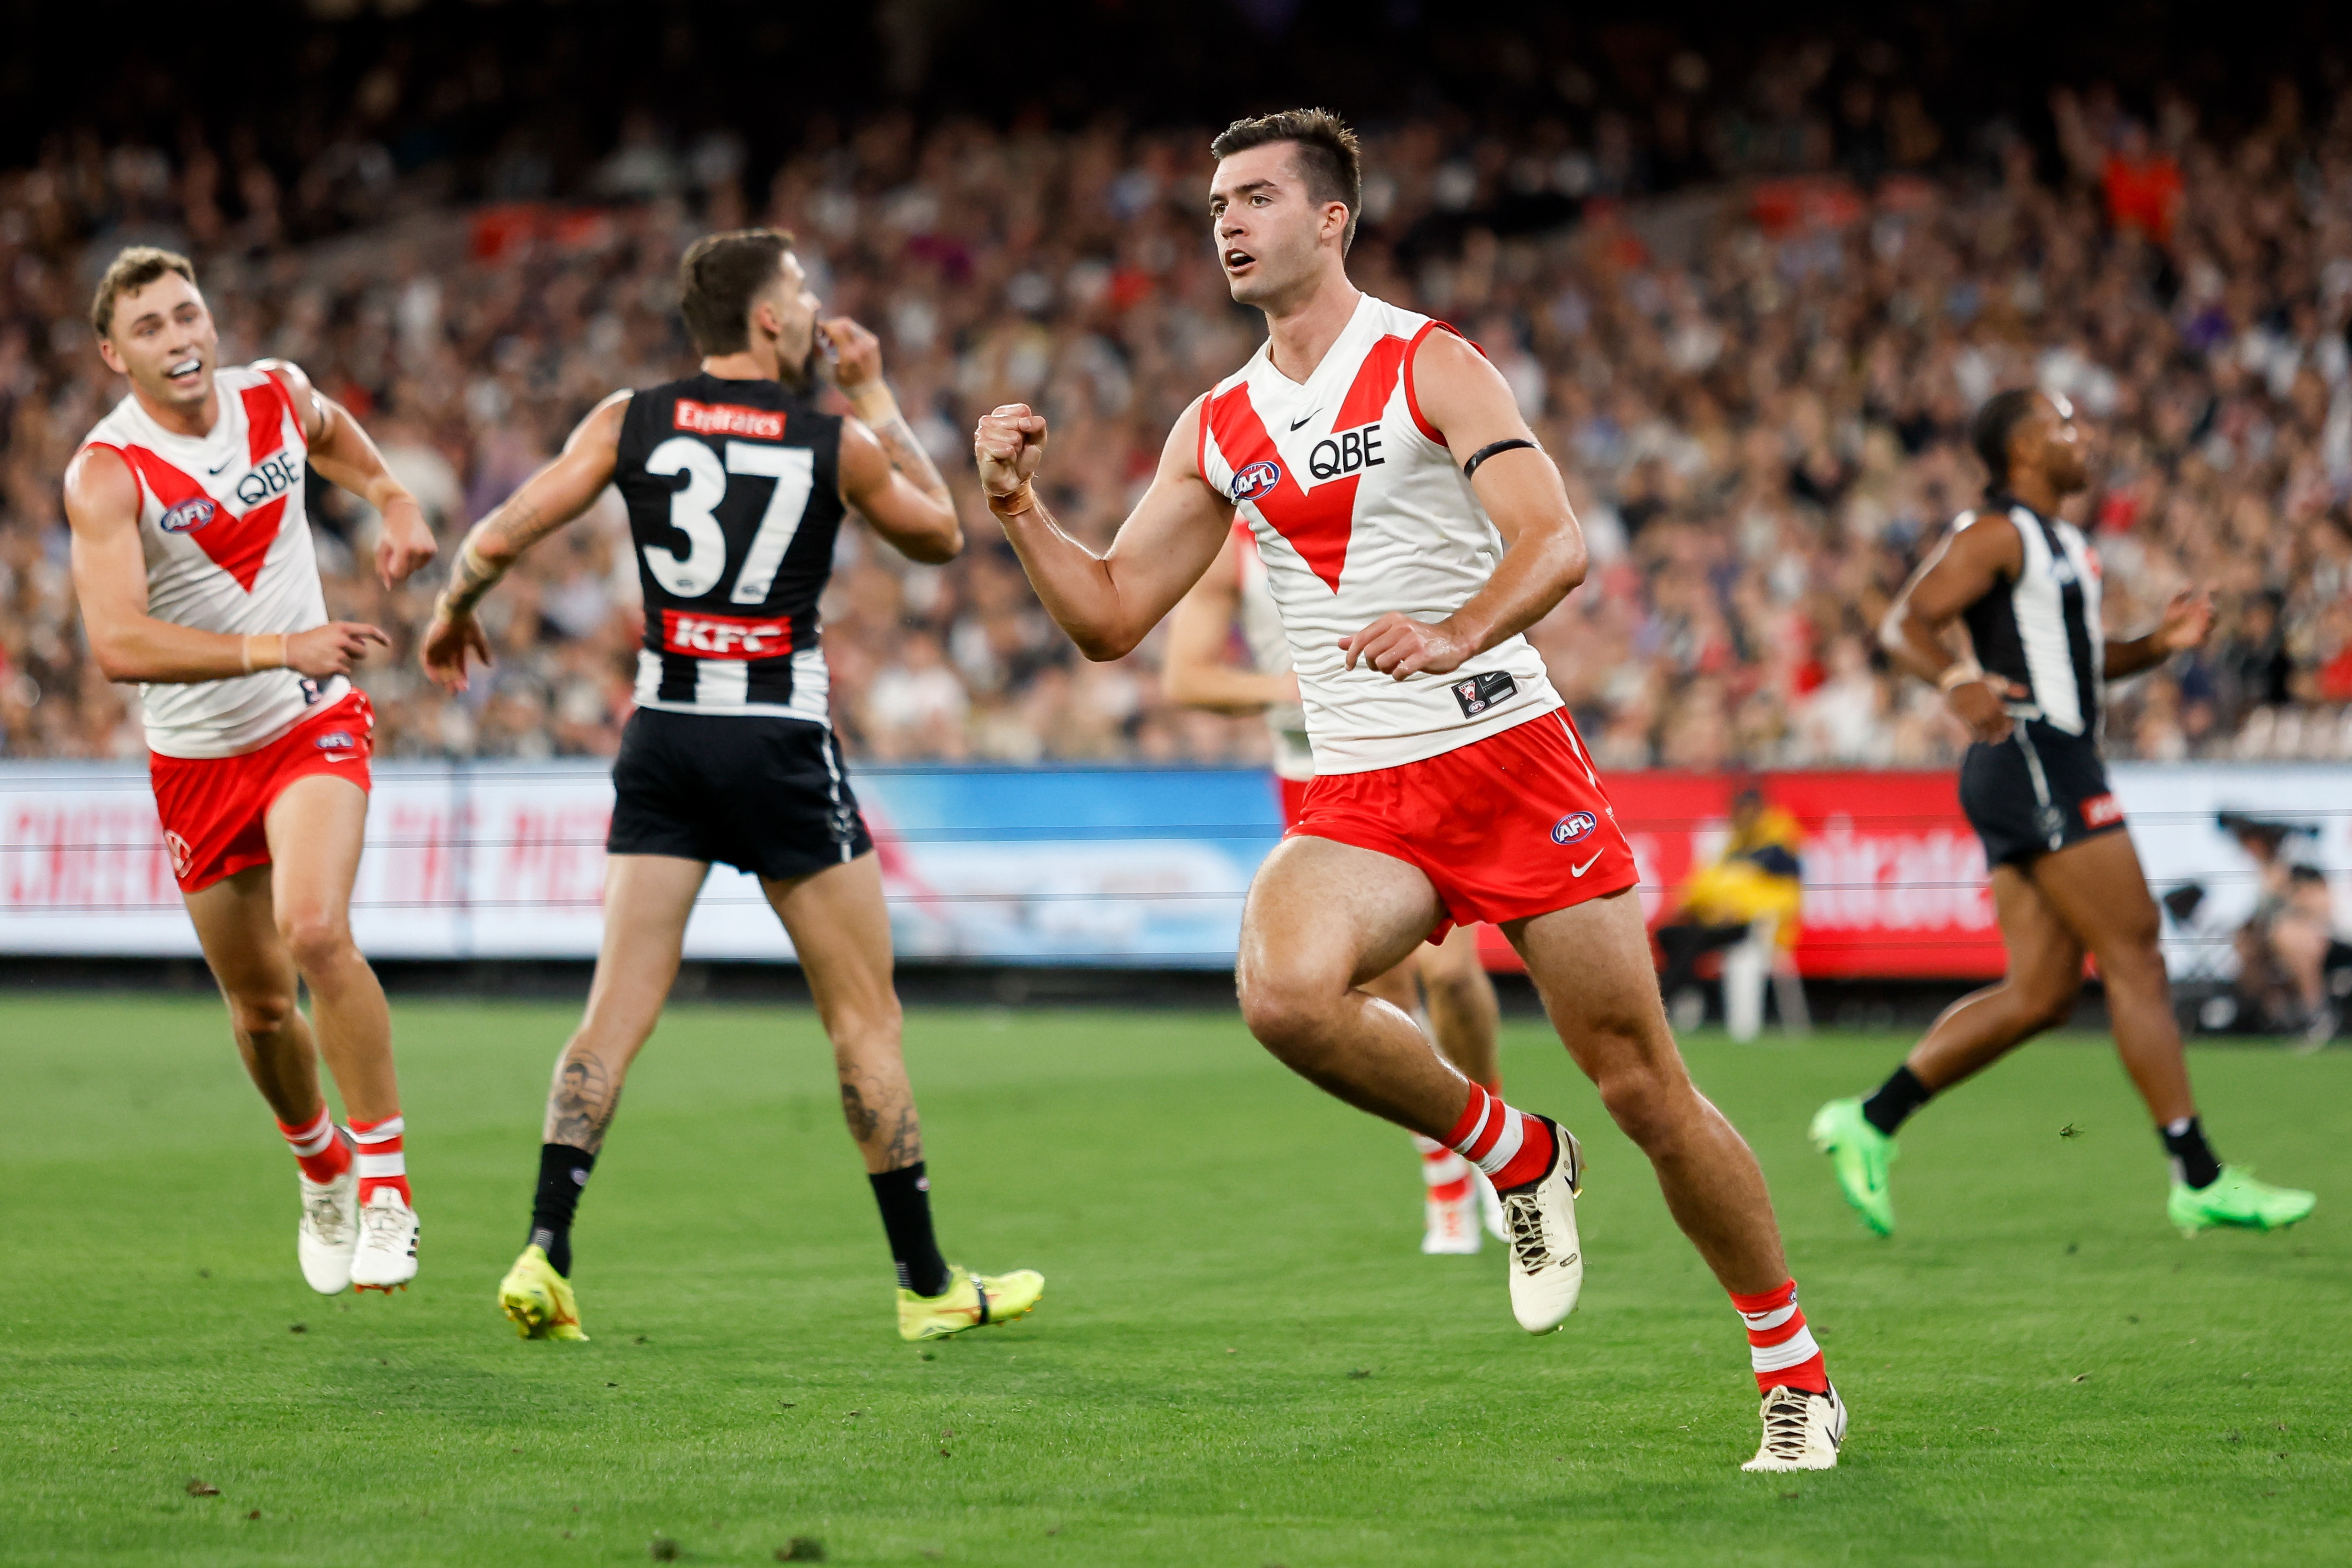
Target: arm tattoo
(514,528)
(906,456)
(581,1105)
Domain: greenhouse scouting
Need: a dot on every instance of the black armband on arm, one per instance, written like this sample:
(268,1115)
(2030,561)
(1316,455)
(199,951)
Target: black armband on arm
(1490,448)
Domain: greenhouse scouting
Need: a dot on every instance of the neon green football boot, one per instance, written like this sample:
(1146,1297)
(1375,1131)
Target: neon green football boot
(1859,1153)
(2235,1198)
(540,1300)
(970,1301)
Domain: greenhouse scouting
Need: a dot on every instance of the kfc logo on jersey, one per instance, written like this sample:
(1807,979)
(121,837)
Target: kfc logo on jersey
(273,475)
(728,419)
(189,516)
(1573,827)
(726,637)
(1257,479)
(2101,811)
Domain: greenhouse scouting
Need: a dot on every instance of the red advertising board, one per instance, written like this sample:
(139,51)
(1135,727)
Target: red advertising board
(1895,878)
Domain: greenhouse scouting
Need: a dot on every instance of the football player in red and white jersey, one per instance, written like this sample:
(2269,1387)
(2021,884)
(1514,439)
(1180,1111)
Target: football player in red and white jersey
(192,560)
(1461,1015)
(1411,530)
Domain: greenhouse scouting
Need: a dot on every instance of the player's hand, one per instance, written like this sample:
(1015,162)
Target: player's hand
(404,542)
(856,361)
(1980,706)
(2187,621)
(446,643)
(1397,645)
(331,650)
(1008,444)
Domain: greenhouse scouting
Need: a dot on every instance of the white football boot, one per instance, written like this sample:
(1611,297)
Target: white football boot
(1801,1431)
(328,1231)
(1490,1207)
(1453,1226)
(1547,1266)
(386,1256)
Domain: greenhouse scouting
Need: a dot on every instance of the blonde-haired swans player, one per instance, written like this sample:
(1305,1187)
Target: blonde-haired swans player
(1411,530)
(192,560)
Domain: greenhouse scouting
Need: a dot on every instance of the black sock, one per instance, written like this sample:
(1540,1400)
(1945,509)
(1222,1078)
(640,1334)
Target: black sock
(1896,1099)
(562,1173)
(904,1196)
(2192,1162)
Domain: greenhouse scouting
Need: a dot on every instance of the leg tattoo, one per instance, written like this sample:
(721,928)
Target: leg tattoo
(864,1119)
(580,1106)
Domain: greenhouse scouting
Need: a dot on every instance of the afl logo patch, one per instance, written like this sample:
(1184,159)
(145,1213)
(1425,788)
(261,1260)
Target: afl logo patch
(1572,826)
(1257,479)
(189,516)
(336,741)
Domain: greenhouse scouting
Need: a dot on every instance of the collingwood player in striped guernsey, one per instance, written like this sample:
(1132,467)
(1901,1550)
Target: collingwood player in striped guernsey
(2066,880)
(736,484)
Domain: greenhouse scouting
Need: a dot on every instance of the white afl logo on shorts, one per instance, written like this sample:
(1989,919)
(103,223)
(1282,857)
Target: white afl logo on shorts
(1257,479)
(1572,826)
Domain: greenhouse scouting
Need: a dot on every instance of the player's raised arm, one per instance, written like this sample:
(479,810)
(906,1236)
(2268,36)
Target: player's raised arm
(340,450)
(546,501)
(110,575)
(1969,565)
(1108,602)
(1471,405)
(885,473)
(1193,669)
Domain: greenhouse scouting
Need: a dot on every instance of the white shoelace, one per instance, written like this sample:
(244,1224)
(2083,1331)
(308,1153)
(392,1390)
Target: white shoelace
(383,1226)
(1786,1422)
(328,1217)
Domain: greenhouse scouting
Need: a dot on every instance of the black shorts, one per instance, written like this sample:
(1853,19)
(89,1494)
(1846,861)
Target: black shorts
(766,795)
(2040,789)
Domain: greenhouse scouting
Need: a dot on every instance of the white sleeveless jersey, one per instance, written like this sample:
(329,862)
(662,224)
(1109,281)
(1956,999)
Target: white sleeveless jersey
(1359,509)
(1269,646)
(229,550)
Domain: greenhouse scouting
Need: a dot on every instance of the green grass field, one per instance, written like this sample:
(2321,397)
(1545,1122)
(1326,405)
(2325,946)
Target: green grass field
(1242,1357)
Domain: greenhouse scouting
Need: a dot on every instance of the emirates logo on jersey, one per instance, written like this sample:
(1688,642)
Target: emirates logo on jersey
(726,637)
(728,419)
(1257,479)
(189,516)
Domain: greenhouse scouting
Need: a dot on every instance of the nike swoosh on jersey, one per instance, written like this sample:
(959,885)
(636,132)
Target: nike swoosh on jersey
(1296,423)
(1581,871)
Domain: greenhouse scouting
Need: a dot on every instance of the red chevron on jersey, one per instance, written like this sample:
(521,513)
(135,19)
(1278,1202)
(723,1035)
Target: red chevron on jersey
(237,543)
(265,431)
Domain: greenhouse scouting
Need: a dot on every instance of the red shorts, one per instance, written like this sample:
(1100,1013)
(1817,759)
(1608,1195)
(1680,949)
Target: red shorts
(1292,795)
(212,807)
(1506,828)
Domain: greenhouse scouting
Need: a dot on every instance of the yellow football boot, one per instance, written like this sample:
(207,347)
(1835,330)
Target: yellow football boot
(970,1301)
(540,1300)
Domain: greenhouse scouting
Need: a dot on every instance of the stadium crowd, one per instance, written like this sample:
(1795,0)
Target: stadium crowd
(1754,342)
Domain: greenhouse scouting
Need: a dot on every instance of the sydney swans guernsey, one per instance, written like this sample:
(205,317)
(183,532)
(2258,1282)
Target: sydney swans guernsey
(1358,510)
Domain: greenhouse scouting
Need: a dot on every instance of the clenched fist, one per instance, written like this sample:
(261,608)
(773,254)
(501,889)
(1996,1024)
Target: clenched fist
(1008,444)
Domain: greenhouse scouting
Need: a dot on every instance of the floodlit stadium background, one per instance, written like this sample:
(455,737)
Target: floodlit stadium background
(1747,277)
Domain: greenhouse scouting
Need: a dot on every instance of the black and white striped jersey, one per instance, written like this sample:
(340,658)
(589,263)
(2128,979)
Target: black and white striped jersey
(734,501)
(2042,630)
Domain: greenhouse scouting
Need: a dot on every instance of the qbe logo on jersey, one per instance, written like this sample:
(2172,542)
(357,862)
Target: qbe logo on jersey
(1576,825)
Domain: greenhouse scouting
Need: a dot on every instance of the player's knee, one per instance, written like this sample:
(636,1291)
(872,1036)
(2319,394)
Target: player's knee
(318,938)
(2049,1007)
(1288,1013)
(1648,1100)
(258,1014)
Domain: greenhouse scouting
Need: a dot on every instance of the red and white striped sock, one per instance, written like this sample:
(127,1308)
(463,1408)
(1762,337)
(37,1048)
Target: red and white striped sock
(322,1156)
(381,1164)
(1445,1172)
(1512,1149)
(1779,1346)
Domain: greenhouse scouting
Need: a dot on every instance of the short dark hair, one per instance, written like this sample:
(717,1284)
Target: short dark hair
(721,276)
(1327,155)
(1990,432)
(132,268)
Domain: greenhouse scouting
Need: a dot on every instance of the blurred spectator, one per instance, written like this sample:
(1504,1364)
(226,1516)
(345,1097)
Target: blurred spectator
(1759,388)
(1756,875)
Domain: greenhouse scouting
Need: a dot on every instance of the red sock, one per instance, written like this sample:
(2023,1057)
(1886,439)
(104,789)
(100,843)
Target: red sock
(1512,1149)
(1779,1346)
(322,1156)
(1442,1171)
(381,1164)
